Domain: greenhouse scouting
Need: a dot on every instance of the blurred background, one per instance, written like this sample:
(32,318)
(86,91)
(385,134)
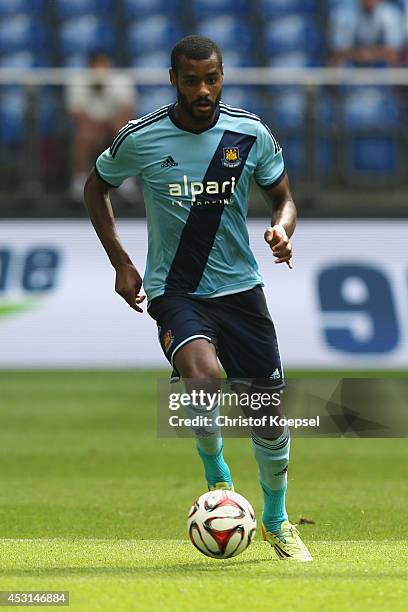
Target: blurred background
(344,138)
(329,77)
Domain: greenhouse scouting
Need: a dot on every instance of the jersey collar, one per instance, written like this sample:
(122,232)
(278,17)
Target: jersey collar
(172,116)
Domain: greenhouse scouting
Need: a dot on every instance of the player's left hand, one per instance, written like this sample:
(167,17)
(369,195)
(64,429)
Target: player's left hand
(279,244)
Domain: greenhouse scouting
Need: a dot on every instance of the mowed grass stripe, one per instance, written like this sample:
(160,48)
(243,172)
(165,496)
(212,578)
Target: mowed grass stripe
(151,574)
(172,555)
(86,484)
(49,554)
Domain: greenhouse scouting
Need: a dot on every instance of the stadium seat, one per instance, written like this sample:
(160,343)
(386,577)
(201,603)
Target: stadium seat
(294,154)
(372,120)
(12,114)
(373,155)
(324,157)
(151,98)
(295,151)
(233,58)
(24,59)
(325,112)
(294,59)
(277,8)
(76,60)
(47,112)
(335,4)
(292,33)
(242,97)
(155,59)
(83,34)
(152,34)
(13,7)
(13,110)
(371,107)
(228,31)
(20,33)
(289,107)
(206,9)
(135,9)
(75,8)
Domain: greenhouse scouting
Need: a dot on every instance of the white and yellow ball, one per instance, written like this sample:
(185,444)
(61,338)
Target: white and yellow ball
(221,524)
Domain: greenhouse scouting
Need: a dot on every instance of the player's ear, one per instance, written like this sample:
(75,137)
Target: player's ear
(172,76)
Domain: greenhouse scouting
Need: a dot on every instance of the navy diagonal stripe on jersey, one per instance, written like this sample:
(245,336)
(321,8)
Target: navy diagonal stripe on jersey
(198,235)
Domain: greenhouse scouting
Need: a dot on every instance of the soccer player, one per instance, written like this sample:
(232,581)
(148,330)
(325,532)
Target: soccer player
(195,159)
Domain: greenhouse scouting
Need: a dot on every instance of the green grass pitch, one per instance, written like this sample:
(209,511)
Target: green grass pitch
(91,501)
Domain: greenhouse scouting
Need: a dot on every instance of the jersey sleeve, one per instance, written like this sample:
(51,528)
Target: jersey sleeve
(120,161)
(270,167)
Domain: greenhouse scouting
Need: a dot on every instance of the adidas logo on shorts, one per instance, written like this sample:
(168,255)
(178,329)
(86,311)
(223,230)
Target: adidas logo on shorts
(275,375)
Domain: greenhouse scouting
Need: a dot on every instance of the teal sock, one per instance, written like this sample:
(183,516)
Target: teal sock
(273,459)
(209,446)
(216,469)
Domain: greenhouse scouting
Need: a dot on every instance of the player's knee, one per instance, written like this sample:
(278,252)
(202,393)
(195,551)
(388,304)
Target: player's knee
(201,371)
(197,360)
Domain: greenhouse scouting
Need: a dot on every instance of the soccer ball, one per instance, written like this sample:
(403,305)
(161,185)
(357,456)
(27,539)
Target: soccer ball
(221,524)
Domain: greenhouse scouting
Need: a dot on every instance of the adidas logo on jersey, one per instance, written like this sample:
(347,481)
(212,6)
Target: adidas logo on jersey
(169,162)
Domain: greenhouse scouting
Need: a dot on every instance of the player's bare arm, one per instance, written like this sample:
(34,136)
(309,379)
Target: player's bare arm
(284,218)
(128,282)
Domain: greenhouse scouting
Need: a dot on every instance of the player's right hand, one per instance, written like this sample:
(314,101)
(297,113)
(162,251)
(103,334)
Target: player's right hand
(128,285)
(279,244)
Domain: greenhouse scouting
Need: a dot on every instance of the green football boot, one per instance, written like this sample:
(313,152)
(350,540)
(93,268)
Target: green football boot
(287,543)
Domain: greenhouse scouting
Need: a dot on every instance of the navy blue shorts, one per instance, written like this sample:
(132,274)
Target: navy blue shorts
(239,325)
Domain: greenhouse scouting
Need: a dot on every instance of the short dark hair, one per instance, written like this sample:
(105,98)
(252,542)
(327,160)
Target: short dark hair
(194,47)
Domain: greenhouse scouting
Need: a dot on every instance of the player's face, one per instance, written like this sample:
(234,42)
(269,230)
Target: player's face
(198,84)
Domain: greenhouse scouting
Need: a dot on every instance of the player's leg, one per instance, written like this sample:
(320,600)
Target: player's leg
(249,352)
(187,337)
(197,364)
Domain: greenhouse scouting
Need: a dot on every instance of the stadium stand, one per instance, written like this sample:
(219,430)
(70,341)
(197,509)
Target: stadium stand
(226,30)
(76,8)
(344,135)
(206,9)
(138,9)
(21,32)
(82,34)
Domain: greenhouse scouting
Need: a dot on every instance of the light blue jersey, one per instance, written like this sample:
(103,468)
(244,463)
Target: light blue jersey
(196,187)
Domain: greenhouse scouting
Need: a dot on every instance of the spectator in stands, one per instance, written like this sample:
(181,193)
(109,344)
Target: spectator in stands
(370,34)
(99,109)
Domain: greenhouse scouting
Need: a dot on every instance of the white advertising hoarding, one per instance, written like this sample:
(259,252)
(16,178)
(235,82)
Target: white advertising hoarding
(344,305)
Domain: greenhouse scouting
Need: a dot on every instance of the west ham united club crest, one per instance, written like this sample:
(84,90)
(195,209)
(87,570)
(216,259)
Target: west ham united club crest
(167,340)
(231,158)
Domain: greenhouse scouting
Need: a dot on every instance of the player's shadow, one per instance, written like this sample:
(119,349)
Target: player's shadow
(192,567)
(180,567)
